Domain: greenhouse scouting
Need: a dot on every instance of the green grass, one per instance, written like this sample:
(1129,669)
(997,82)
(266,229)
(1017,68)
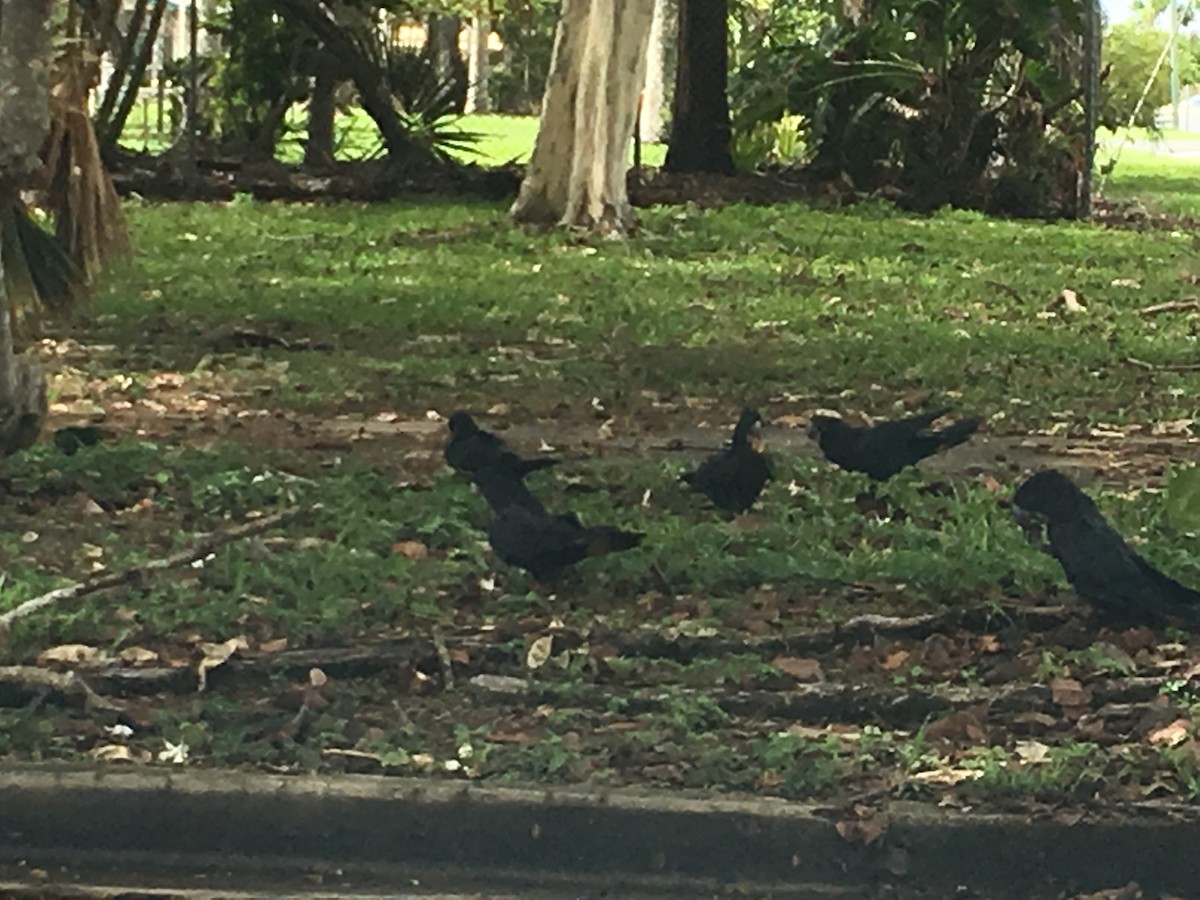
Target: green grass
(423,305)
(503,138)
(438,305)
(1160,182)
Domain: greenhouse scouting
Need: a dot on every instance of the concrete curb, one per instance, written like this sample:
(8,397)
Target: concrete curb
(249,830)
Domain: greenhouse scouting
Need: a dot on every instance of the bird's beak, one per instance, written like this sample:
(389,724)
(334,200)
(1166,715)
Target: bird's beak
(756,438)
(1032,524)
(1023,516)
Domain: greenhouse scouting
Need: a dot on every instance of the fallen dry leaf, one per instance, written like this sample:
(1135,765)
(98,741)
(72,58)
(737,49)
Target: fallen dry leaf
(988,643)
(217,655)
(520,738)
(790,421)
(1069,693)
(77,654)
(539,652)
(963,726)
(893,661)
(138,656)
(1069,301)
(411,550)
(991,485)
(948,776)
(865,826)
(1032,751)
(803,670)
(276,646)
(120,753)
(1169,735)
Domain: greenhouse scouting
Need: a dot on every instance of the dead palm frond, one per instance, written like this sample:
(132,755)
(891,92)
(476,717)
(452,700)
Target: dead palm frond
(50,274)
(88,219)
(41,278)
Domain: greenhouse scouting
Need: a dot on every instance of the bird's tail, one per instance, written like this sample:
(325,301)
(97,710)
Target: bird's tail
(960,431)
(603,539)
(525,466)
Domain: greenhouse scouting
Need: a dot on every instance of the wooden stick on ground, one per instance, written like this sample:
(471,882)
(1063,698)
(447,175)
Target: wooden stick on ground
(69,683)
(201,549)
(1192,303)
(443,654)
(1165,367)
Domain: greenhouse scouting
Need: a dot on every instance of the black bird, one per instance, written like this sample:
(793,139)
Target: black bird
(734,477)
(502,487)
(471,449)
(525,535)
(883,450)
(1101,567)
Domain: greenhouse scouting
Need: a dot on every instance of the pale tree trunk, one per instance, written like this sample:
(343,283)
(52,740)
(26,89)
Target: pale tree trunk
(25,111)
(576,176)
(650,124)
(478,100)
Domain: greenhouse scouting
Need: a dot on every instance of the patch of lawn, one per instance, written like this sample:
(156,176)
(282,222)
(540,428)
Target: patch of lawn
(1163,181)
(502,138)
(438,305)
(674,664)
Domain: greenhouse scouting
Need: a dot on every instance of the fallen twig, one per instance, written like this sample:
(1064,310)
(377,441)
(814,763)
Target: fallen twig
(443,655)
(1165,367)
(67,683)
(1005,289)
(201,549)
(1171,306)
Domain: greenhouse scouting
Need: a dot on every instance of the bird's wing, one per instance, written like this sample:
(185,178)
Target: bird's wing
(708,471)
(1104,569)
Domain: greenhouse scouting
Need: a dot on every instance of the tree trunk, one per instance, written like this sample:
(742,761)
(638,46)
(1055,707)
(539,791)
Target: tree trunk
(318,147)
(576,176)
(700,134)
(370,78)
(478,69)
(132,79)
(25,111)
(650,124)
(441,46)
(121,63)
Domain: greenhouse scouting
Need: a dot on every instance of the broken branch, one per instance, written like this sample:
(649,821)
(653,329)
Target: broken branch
(1171,306)
(1165,367)
(201,549)
(69,684)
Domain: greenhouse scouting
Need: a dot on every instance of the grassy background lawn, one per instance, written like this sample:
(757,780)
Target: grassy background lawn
(502,138)
(396,314)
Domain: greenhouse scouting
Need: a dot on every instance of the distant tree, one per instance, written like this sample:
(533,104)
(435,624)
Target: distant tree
(576,175)
(347,31)
(1131,51)
(25,60)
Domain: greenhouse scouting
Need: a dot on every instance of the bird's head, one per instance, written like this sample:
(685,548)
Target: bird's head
(749,429)
(819,425)
(1048,496)
(461,423)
